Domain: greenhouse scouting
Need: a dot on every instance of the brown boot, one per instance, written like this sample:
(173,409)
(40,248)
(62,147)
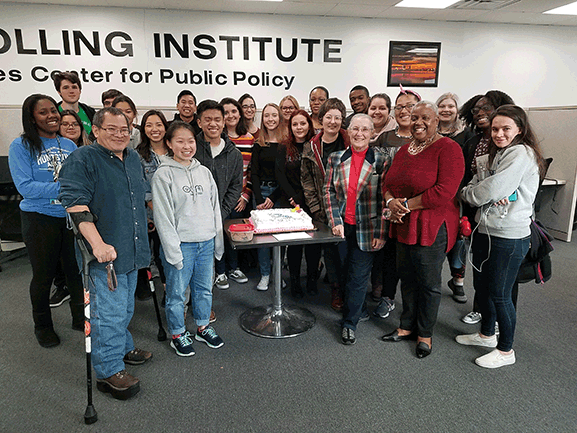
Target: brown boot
(121,385)
(336,299)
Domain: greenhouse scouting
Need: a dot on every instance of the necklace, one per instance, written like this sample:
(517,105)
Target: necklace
(416,148)
(402,136)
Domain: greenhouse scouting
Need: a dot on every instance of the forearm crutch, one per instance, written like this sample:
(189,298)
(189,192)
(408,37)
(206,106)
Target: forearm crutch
(90,415)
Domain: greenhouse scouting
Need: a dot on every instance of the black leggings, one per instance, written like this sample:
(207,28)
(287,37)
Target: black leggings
(48,242)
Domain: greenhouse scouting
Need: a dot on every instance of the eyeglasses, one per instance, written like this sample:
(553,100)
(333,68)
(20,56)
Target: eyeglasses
(332,118)
(364,130)
(124,132)
(400,108)
(485,108)
(247,106)
(67,125)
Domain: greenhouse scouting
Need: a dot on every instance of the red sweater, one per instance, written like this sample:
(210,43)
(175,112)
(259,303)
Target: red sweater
(357,160)
(435,173)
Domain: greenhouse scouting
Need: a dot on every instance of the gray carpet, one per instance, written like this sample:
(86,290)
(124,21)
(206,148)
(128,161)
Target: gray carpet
(310,383)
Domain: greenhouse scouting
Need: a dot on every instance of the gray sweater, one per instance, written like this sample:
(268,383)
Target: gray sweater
(513,169)
(186,208)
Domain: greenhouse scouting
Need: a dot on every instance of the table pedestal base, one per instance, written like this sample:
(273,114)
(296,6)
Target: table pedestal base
(273,322)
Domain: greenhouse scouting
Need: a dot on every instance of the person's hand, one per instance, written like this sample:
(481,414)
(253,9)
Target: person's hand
(240,205)
(104,253)
(502,202)
(292,202)
(268,204)
(398,209)
(339,230)
(377,244)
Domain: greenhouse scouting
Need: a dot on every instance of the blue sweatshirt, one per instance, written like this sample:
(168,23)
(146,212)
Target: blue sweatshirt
(33,175)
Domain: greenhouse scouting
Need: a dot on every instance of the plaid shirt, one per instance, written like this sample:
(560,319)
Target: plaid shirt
(369,204)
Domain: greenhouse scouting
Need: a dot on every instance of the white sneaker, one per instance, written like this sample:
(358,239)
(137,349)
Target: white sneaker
(221,282)
(263,283)
(238,276)
(476,340)
(495,359)
(471,318)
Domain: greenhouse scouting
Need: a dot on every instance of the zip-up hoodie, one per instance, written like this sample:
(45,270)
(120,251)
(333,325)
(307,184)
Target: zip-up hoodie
(226,169)
(186,208)
(514,169)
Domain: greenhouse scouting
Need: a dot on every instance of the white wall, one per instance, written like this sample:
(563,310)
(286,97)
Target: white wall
(535,64)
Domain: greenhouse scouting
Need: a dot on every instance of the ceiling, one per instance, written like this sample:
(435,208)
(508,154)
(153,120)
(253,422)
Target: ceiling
(484,11)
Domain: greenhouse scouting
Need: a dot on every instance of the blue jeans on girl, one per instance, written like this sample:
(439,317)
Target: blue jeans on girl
(493,285)
(197,272)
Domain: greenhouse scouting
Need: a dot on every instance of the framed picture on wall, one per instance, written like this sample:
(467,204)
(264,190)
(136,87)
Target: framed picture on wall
(414,64)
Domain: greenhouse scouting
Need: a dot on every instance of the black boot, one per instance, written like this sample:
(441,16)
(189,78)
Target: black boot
(296,289)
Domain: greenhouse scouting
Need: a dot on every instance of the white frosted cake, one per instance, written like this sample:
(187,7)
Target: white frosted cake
(280,220)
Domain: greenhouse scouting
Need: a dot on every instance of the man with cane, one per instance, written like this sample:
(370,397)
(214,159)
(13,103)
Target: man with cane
(103,190)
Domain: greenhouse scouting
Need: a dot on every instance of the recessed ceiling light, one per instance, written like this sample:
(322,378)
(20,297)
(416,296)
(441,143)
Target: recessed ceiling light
(570,9)
(426,4)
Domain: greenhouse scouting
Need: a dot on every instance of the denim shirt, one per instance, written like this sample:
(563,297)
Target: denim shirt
(114,190)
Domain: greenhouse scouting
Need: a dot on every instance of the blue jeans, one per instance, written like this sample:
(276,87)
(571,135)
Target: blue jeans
(419,269)
(358,265)
(264,253)
(110,314)
(493,285)
(196,272)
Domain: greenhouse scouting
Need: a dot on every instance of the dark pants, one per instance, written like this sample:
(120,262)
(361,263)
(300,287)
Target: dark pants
(358,266)
(495,282)
(230,258)
(390,276)
(334,264)
(48,242)
(312,256)
(420,269)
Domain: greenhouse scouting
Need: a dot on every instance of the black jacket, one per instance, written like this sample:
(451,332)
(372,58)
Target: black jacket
(226,169)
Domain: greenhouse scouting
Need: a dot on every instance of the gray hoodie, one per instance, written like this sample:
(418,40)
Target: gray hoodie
(186,208)
(513,169)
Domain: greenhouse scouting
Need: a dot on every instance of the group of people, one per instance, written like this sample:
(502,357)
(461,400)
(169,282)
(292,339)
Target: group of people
(393,181)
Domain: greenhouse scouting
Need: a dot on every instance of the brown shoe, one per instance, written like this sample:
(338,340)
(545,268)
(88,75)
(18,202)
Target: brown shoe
(121,385)
(212,317)
(137,357)
(336,299)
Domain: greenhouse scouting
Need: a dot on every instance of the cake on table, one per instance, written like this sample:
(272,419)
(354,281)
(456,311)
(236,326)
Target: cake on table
(280,220)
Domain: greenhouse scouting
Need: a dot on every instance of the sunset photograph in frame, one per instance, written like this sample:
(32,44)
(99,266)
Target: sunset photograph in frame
(414,64)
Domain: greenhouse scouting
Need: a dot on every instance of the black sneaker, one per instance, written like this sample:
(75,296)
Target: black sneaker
(364,316)
(458,292)
(59,297)
(209,336)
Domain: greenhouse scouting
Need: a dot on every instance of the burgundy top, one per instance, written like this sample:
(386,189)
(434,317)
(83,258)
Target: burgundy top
(435,173)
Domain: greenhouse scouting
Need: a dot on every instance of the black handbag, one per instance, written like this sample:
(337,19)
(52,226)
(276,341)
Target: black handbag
(537,265)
